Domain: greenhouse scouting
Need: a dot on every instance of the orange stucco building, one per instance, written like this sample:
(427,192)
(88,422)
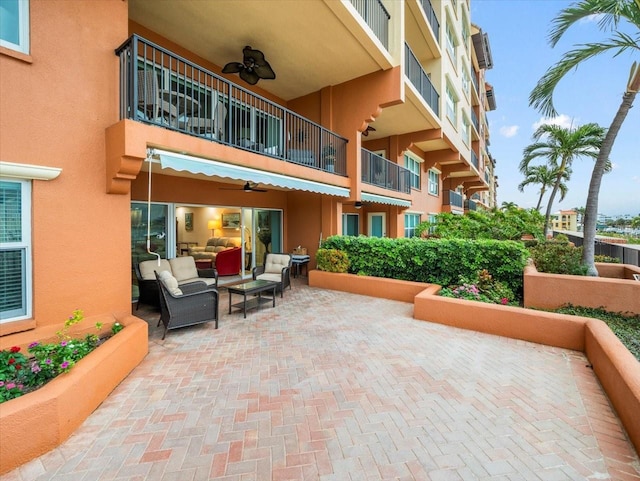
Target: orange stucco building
(121,137)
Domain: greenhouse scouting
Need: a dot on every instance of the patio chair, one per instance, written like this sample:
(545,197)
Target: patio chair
(151,100)
(186,305)
(277,268)
(213,127)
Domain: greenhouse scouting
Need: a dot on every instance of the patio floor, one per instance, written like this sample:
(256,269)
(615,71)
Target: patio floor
(338,387)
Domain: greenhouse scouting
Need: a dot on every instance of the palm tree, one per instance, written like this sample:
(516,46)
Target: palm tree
(610,13)
(546,177)
(560,146)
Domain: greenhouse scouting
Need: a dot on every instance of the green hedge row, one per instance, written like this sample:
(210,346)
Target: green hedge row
(438,261)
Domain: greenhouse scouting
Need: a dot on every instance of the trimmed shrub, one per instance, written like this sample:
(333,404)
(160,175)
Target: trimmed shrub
(607,259)
(332,260)
(439,261)
(558,257)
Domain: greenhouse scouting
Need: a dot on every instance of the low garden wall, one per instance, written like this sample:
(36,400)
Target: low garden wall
(614,291)
(616,368)
(36,423)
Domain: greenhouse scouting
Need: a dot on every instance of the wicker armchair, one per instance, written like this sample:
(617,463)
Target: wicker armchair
(186,305)
(276,268)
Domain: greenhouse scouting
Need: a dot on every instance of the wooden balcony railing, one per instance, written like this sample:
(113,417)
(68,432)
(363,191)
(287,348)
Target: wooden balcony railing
(161,88)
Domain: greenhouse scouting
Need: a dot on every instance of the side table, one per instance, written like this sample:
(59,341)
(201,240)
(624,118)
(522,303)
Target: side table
(204,263)
(298,261)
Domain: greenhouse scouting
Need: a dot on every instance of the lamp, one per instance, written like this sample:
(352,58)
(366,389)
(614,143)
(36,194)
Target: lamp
(213,225)
(358,205)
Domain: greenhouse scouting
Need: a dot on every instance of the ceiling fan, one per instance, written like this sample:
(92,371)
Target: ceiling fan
(248,187)
(252,68)
(367,130)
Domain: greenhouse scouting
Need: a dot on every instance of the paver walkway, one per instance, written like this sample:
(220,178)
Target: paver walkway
(337,387)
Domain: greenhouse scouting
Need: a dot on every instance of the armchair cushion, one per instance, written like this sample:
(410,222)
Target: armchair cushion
(184,268)
(274,263)
(149,268)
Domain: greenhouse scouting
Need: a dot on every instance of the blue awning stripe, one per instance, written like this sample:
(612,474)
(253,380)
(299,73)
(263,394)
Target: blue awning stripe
(382,199)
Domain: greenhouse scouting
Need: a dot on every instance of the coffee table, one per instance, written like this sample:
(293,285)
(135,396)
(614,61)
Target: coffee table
(256,287)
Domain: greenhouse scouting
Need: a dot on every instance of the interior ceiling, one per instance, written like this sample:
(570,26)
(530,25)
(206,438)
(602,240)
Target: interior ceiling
(305,43)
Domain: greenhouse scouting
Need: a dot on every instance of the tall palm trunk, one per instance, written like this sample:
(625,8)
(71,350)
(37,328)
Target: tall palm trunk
(591,210)
(556,186)
(542,192)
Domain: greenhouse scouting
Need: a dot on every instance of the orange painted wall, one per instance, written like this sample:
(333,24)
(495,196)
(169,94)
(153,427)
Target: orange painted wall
(550,291)
(55,110)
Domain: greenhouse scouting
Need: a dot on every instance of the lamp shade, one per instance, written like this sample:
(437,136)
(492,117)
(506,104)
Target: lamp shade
(211,224)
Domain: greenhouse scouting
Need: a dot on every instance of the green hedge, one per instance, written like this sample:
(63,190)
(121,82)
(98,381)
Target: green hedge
(437,261)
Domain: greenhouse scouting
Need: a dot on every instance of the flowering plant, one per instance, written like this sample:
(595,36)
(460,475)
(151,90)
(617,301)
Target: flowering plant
(482,288)
(20,375)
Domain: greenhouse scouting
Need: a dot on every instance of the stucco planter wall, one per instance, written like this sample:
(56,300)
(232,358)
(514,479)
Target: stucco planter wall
(616,368)
(35,423)
(615,290)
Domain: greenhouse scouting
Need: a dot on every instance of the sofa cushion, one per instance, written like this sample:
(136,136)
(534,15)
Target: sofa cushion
(183,268)
(149,268)
(276,262)
(170,283)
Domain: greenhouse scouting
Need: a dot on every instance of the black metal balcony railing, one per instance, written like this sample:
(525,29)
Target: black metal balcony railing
(376,16)
(474,159)
(160,88)
(470,205)
(474,119)
(420,80)
(454,199)
(431,17)
(376,170)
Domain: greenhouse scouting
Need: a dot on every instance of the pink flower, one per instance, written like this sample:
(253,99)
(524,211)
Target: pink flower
(504,301)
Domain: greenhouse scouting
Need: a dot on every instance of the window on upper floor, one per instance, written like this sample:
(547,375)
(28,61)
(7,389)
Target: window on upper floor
(413,165)
(466,81)
(466,130)
(15,250)
(465,32)
(452,105)
(411,221)
(14,25)
(451,41)
(434,182)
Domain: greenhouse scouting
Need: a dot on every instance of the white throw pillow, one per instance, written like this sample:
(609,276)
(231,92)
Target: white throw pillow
(170,282)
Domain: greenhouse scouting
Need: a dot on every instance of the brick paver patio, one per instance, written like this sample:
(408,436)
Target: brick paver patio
(337,387)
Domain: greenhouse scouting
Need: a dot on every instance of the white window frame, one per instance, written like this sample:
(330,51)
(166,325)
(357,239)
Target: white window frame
(466,81)
(25,246)
(413,164)
(466,130)
(411,221)
(434,182)
(433,220)
(23,25)
(451,43)
(451,100)
(345,217)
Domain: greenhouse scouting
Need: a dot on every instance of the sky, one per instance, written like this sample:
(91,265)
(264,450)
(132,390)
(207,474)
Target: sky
(518,31)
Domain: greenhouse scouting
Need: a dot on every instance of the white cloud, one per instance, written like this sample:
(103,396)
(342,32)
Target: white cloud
(635,178)
(561,120)
(509,130)
(596,17)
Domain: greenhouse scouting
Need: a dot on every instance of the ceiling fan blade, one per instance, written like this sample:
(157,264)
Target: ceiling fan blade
(252,56)
(264,71)
(249,76)
(233,67)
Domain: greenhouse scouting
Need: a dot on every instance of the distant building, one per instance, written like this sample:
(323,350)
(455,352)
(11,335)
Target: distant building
(565,220)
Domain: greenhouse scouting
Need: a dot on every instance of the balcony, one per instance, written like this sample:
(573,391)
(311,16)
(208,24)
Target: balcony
(378,171)
(377,18)
(158,87)
(474,160)
(431,17)
(454,199)
(470,205)
(474,119)
(420,80)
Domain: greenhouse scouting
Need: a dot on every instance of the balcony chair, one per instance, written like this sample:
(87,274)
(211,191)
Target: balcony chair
(187,304)
(276,268)
(214,127)
(159,105)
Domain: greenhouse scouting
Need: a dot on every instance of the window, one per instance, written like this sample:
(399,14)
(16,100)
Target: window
(433,220)
(465,32)
(434,182)
(452,105)
(350,224)
(411,221)
(466,81)
(451,42)
(14,25)
(413,165)
(466,130)
(15,250)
